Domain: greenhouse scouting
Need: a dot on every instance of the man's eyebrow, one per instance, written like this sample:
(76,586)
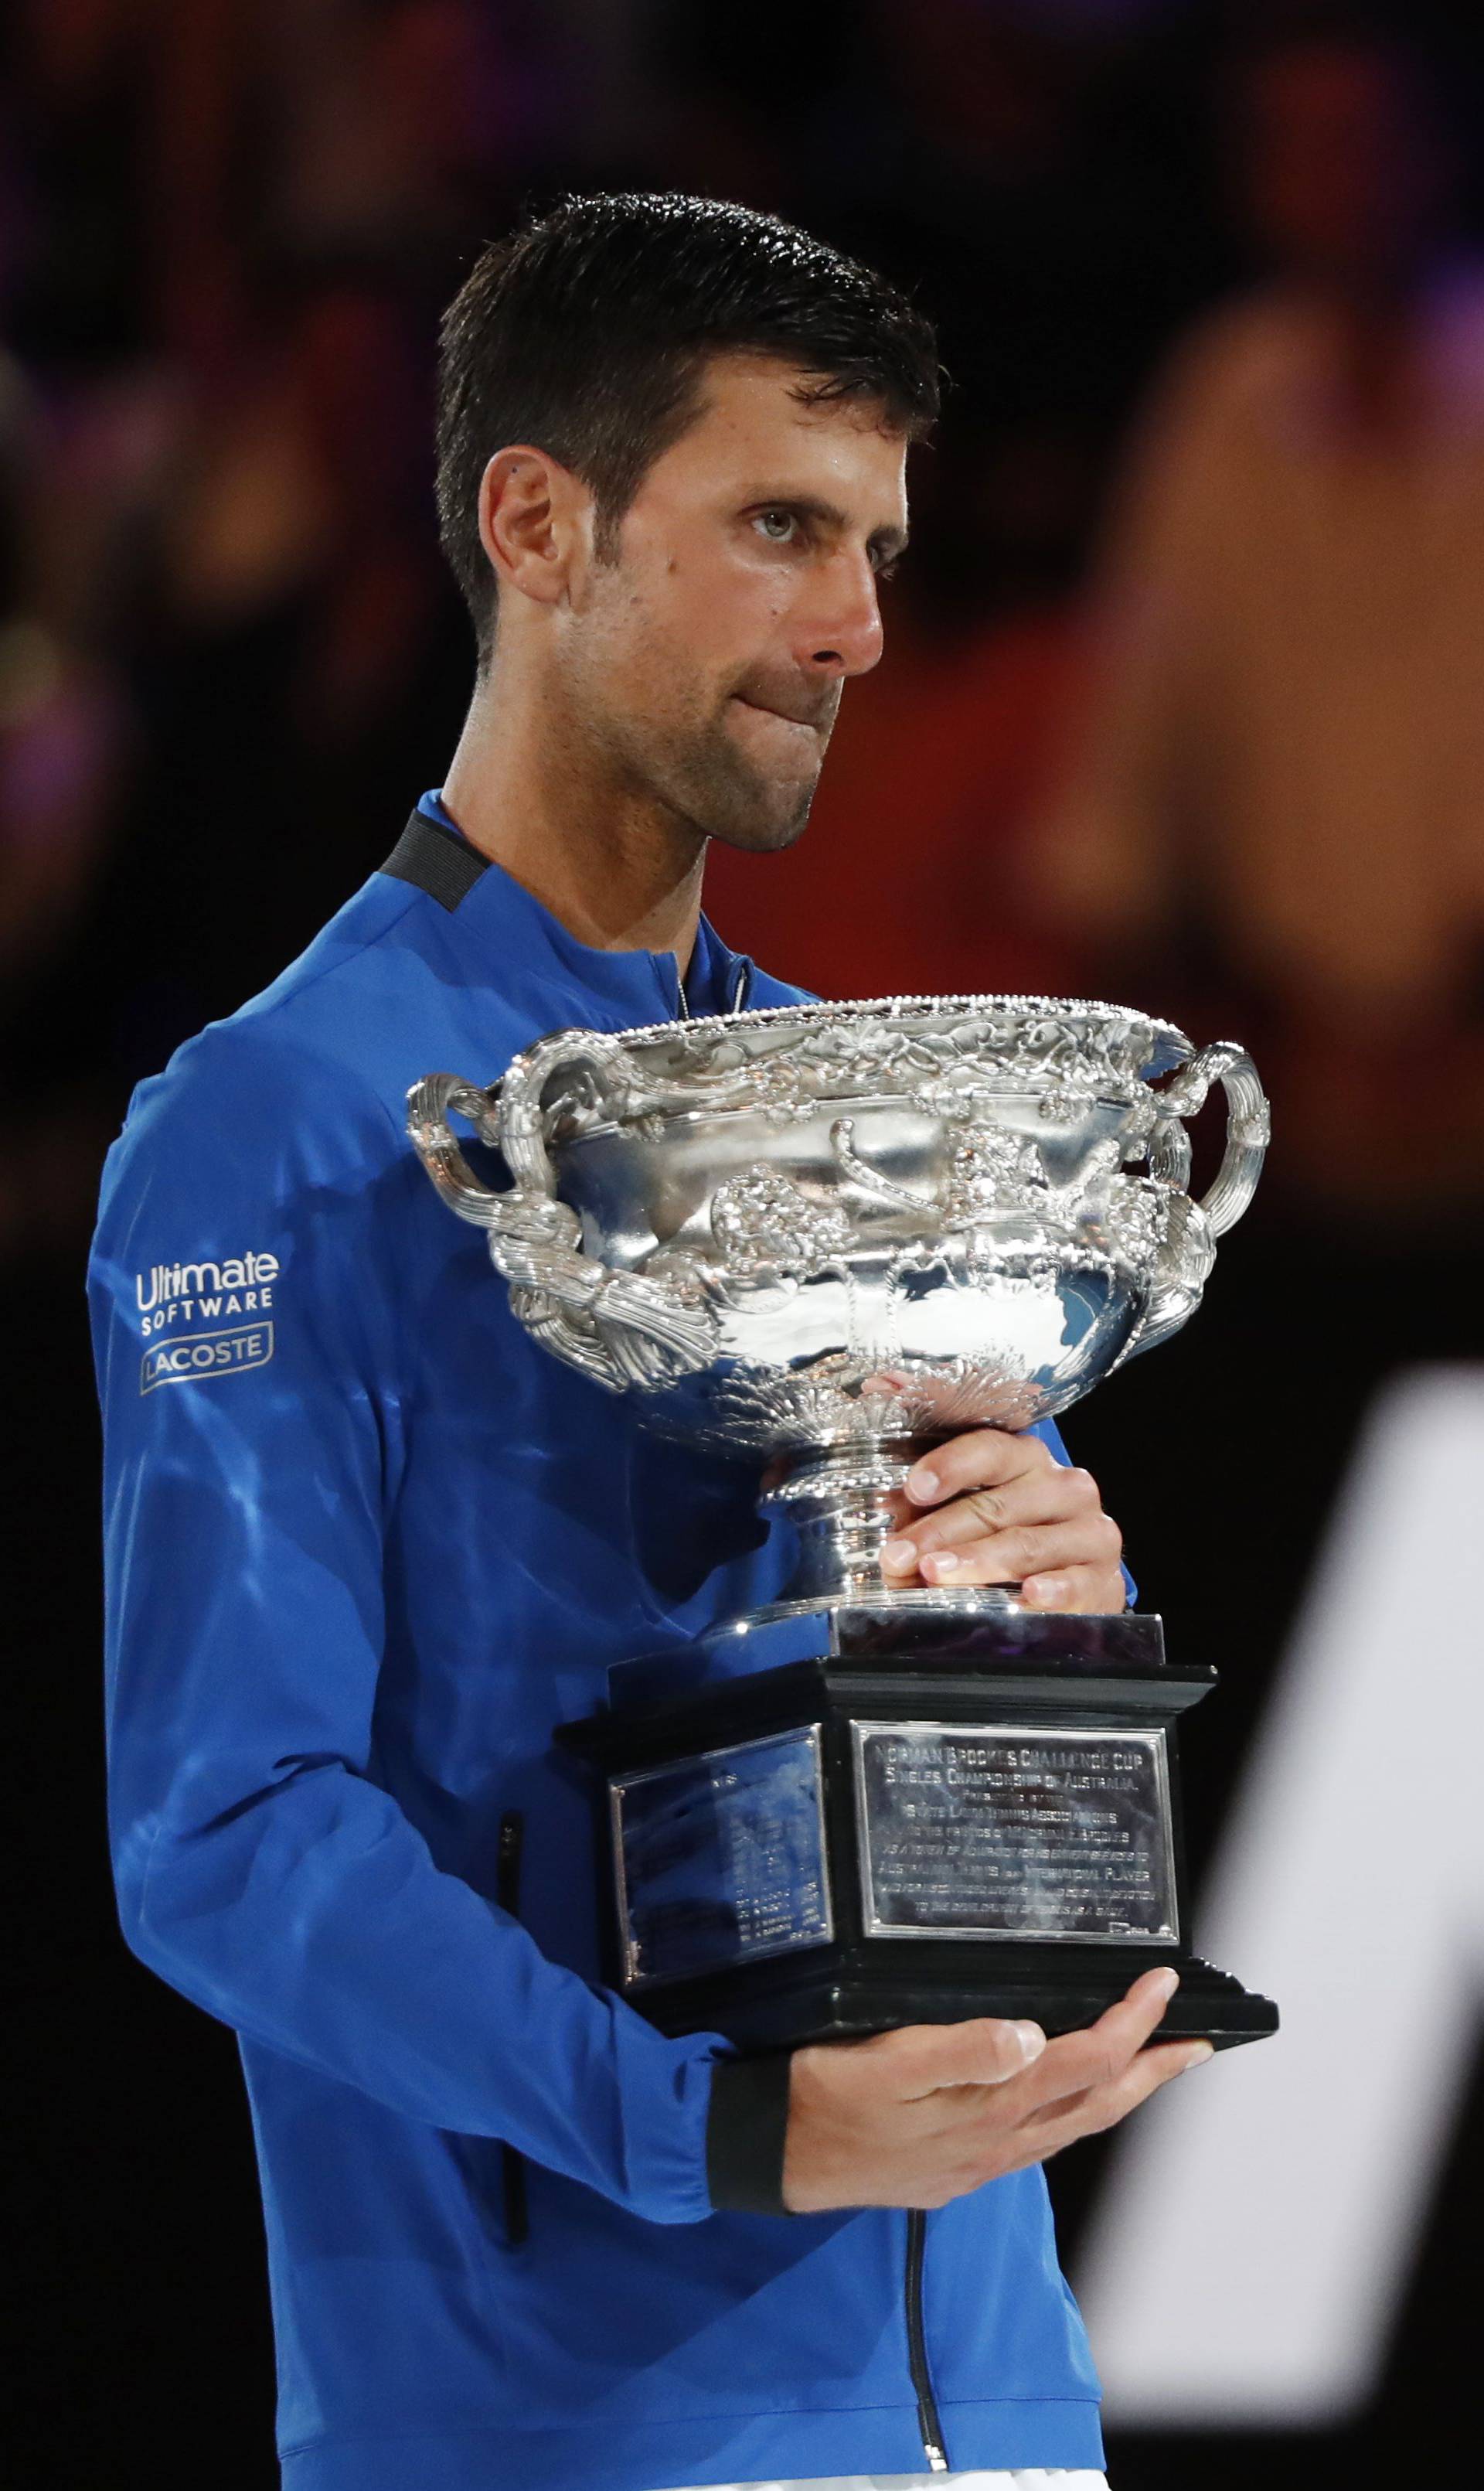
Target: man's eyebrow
(886,540)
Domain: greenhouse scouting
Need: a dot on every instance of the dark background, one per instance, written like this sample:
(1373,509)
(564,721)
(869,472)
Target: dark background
(229,662)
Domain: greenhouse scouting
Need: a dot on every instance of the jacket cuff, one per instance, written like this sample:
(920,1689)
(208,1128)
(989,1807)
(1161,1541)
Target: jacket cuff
(745,2129)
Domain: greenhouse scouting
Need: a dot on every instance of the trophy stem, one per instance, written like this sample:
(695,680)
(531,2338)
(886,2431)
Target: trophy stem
(839,1501)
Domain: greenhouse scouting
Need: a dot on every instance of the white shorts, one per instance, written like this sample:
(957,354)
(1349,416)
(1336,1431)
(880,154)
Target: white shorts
(1035,2479)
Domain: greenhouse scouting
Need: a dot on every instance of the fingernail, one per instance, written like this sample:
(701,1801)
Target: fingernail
(1044,1590)
(1193,2058)
(922,1486)
(898,1553)
(941,1563)
(1167,1982)
(1031,2040)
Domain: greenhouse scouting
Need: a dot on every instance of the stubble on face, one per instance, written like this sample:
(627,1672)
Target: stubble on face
(738,762)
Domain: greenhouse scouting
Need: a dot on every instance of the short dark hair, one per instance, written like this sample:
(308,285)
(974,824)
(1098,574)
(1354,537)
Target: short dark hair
(587,332)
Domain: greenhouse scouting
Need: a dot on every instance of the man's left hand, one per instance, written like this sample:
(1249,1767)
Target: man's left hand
(1006,1510)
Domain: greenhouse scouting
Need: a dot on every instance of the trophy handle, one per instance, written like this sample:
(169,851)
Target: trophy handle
(1189,1247)
(1248,1131)
(599,1063)
(429,1103)
(618,1328)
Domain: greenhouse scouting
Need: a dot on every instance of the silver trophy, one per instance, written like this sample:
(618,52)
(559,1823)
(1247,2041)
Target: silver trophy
(816,1237)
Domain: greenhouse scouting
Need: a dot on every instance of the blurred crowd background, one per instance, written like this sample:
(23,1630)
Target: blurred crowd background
(1182,693)
(1183,702)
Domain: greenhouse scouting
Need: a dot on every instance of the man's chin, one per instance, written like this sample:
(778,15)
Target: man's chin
(765,829)
(733,794)
(766,796)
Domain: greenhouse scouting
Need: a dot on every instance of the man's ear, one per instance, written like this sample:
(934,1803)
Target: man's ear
(535,522)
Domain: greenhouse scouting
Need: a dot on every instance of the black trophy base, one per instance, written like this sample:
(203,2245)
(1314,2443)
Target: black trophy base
(826,1826)
(825,2003)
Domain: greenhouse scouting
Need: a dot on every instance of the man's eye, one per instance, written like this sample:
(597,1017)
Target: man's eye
(779,527)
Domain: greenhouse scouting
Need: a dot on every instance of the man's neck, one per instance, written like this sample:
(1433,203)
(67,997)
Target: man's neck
(611,865)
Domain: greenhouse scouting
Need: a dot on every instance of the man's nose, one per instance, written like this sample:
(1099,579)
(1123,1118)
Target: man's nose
(837,630)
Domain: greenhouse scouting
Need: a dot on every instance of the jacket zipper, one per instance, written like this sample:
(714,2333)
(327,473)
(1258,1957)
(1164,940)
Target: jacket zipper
(928,2422)
(742,987)
(512,1826)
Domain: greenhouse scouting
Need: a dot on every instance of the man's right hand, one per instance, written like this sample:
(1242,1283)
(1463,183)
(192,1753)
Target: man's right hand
(917,2117)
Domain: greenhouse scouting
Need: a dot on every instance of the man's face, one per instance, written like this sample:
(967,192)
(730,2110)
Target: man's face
(708,657)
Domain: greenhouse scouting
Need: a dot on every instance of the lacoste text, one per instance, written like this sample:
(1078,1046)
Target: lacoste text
(203,1357)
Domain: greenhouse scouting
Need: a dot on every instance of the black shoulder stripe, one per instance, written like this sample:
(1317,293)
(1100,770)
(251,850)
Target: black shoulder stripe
(437,861)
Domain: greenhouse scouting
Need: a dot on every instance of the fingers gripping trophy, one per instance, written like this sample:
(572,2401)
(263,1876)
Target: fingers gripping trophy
(816,1237)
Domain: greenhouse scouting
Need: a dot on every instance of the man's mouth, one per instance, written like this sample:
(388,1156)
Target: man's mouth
(817,721)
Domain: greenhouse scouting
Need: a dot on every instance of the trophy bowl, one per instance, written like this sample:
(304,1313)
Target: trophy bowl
(830,1229)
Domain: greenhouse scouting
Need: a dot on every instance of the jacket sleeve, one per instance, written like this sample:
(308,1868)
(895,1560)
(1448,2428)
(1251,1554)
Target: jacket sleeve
(247,1324)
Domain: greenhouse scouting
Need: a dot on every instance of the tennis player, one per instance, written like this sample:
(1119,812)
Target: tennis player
(367,1544)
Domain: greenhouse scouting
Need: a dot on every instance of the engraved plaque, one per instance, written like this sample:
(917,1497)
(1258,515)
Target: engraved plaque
(1011,1832)
(720,1858)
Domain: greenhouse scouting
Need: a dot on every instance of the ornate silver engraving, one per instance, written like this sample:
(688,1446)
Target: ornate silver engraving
(762,1219)
(953,1054)
(1138,1220)
(993,1171)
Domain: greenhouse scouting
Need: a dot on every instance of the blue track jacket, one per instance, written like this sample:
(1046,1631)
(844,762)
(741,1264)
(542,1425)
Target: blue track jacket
(366,1544)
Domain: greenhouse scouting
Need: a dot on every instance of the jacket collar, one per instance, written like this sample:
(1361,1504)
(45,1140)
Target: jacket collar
(506,922)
